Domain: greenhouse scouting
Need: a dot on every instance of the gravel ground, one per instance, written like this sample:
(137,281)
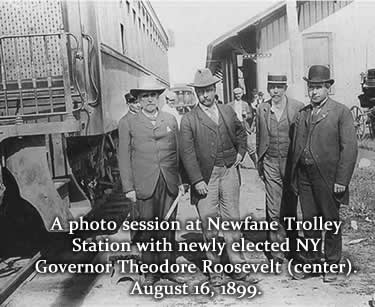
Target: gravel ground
(273,290)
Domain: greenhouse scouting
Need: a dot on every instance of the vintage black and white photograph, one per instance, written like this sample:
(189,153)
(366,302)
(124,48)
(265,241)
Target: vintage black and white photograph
(187,153)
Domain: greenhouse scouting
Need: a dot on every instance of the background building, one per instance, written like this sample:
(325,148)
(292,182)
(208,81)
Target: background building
(334,33)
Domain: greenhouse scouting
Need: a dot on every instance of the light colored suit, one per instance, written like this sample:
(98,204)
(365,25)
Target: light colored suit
(146,151)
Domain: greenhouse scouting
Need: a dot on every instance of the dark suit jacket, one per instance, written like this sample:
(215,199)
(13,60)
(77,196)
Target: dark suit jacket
(145,151)
(333,145)
(262,123)
(198,142)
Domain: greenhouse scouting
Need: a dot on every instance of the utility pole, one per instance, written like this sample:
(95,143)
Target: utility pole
(296,84)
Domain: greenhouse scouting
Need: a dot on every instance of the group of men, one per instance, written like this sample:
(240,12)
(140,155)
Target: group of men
(306,151)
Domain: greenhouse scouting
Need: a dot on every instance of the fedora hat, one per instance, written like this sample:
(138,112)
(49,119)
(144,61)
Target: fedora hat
(319,74)
(147,84)
(203,78)
(276,79)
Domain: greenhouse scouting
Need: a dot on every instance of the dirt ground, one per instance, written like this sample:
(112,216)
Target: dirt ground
(275,290)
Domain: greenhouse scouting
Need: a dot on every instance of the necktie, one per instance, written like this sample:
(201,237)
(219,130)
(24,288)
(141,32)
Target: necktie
(213,116)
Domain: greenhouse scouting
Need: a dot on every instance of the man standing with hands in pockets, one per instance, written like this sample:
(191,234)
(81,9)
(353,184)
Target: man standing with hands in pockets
(213,143)
(148,161)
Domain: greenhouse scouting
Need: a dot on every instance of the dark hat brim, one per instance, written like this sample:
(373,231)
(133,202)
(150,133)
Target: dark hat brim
(214,80)
(330,81)
(136,91)
(277,82)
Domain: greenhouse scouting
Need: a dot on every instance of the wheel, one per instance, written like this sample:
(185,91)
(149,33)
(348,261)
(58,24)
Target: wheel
(371,122)
(359,121)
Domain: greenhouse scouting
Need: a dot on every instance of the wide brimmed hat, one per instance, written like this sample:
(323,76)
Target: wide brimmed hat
(319,74)
(203,78)
(277,79)
(238,90)
(147,84)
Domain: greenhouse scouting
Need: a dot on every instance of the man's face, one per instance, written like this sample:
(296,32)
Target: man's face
(277,91)
(134,106)
(149,101)
(317,92)
(238,96)
(206,95)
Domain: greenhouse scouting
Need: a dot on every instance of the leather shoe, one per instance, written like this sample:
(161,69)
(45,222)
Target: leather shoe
(245,278)
(330,277)
(173,277)
(150,279)
(216,280)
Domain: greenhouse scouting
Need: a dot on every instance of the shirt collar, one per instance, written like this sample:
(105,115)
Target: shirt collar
(207,109)
(152,117)
(320,105)
(285,101)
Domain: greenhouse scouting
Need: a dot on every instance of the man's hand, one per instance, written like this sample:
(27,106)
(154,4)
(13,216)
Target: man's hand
(238,160)
(338,188)
(181,189)
(201,188)
(132,196)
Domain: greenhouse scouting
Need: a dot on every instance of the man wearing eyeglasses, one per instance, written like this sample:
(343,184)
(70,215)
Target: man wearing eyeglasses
(148,161)
(275,118)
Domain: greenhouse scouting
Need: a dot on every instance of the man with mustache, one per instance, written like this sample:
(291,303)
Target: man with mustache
(148,162)
(323,157)
(275,119)
(213,143)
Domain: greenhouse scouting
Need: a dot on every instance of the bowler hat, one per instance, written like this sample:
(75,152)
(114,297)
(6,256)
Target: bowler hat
(147,84)
(276,79)
(319,74)
(203,78)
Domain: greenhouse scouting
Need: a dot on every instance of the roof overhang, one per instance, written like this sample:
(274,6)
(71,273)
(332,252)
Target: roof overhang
(231,41)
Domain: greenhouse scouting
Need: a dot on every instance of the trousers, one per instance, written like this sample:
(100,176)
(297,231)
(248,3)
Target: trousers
(157,207)
(317,199)
(222,201)
(274,177)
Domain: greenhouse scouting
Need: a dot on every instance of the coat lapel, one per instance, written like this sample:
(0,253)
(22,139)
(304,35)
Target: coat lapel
(324,111)
(227,122)
(266,113)
(159,120)
(204,119)
(144,120)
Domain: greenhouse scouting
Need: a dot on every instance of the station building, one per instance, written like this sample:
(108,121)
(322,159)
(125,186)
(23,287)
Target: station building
(338,34)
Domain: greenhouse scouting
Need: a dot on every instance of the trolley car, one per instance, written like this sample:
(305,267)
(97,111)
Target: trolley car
(65,67)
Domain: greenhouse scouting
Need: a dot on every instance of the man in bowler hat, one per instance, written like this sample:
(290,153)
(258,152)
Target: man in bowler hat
(324,152)
(275,119)
(213,143)
(148,161)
